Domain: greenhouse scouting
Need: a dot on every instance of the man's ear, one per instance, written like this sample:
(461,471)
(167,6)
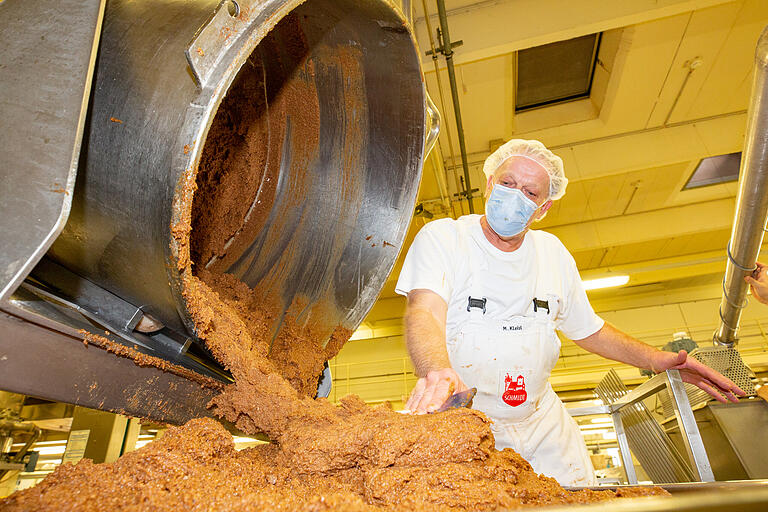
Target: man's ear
(544,208)
(488,186)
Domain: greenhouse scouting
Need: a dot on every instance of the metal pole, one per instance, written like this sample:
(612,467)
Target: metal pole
(751,204)
(624,451)
(408,11)
(446,127)
(448,52)
(694,444)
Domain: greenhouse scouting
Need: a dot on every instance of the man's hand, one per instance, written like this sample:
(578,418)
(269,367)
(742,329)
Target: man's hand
(758,283)
(433,390)
(698,374)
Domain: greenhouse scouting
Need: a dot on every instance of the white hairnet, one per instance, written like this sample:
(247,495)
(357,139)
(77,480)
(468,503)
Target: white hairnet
(533,150)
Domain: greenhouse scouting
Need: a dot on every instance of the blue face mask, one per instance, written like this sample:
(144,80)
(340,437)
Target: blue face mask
(508,210)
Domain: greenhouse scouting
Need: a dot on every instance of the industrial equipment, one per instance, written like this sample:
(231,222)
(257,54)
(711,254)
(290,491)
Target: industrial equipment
(98,172)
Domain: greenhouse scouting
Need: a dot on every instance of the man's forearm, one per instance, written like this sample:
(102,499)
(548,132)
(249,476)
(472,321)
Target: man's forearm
(611,343)
(425,339)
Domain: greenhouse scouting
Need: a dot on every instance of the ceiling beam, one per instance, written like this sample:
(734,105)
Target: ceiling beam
(513,25)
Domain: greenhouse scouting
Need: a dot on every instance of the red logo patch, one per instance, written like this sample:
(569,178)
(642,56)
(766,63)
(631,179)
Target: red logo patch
(514,391)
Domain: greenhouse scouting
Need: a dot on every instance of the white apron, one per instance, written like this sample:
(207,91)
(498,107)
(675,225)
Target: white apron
(509,361)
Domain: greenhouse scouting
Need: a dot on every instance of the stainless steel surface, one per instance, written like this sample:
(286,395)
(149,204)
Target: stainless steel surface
(104,307)
(447,51)
(47,308)
(326,382)
(711,498)
(624,451)
(46,64)
(694,445)
(364,182)
(433,126)
(692,487)
(724,487)
(744,425)
(224,30)
(751,204)
(38,361)
(725,360)
(651,446)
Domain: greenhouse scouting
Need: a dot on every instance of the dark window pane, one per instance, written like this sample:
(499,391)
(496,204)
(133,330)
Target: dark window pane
(555,72)
(715,169)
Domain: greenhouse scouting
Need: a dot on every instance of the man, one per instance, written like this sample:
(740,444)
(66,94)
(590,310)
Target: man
(485,296)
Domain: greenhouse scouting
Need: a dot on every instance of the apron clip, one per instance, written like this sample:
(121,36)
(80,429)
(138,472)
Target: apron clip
(476,303)
(538,304)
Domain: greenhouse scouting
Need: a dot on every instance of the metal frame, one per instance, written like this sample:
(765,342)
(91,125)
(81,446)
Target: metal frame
(42,122)
(694,445)
(751,205)
(741,496)
(37,360)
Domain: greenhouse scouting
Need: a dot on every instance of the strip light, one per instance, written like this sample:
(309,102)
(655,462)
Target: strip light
(605,282)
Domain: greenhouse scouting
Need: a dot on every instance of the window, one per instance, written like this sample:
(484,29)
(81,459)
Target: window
(555,72)
(715,169)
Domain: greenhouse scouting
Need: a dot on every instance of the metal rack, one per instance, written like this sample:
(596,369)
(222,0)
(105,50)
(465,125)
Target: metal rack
(672,382)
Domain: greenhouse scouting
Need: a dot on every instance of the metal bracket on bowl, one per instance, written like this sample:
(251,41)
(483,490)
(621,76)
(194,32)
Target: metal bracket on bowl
(222,30)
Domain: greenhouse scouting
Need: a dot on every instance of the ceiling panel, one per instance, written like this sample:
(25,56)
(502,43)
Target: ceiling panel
(700,242)
(631,253)
(698,50)
(588,259)
(728,84)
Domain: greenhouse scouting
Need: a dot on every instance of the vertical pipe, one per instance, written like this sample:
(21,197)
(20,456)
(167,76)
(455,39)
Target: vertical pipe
(751,205)
(446,126)
(408,11)
(448,52)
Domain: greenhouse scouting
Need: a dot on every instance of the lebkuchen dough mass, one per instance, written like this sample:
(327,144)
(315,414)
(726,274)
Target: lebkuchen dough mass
(322,456)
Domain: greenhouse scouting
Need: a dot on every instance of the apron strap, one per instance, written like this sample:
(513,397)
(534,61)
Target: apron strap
(545,306)
(476,301)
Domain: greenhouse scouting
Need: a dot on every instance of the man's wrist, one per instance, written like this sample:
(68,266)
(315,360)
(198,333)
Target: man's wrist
(653,360)
(423,371)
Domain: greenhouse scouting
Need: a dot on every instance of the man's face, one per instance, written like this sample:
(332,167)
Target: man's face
(527,176)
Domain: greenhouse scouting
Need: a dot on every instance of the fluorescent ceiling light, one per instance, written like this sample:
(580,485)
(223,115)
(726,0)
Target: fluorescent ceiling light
(591,432)
(609,435)
(601,420)
(50,450)
(589,426)
(605,282)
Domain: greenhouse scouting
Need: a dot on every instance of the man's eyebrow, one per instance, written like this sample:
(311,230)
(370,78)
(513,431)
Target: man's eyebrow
(533,185)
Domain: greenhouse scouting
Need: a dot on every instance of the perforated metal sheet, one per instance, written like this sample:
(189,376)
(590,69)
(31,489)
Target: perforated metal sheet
(725,360)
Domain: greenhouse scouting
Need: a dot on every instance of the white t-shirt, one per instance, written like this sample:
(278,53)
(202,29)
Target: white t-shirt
(438,260)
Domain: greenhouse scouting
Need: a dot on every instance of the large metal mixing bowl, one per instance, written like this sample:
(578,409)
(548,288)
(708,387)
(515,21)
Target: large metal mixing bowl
(322,240)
